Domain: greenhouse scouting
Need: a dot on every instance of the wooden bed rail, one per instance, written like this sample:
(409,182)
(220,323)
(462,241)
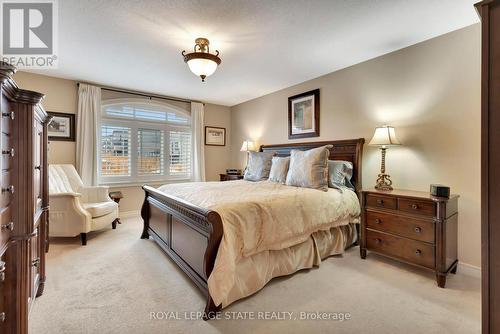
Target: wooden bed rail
(187,233)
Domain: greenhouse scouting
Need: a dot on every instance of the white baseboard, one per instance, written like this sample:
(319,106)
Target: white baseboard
(129,214)
(469,270)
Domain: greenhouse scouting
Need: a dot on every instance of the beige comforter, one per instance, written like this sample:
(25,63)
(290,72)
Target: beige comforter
(263,216)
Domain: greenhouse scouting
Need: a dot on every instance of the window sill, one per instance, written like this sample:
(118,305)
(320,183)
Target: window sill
(141,183)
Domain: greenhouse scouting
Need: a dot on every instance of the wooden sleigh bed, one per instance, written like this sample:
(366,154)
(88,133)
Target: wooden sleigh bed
(191,235)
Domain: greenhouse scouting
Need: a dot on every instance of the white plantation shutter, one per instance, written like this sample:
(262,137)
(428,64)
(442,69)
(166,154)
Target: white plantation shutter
(180,153)
(150,152)
(144,141)
(115,151)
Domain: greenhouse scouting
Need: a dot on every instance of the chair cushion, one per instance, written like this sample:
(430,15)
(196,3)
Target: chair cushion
(99,209)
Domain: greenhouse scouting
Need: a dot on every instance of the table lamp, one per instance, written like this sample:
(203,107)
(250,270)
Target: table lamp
(384,137)
(247,147)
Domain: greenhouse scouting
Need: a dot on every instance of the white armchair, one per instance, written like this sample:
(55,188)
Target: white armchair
(77,209)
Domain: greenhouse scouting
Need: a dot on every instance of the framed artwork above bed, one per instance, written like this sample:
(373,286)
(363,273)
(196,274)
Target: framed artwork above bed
(303,115)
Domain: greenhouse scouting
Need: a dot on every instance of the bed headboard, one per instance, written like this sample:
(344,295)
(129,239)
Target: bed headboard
(348,150)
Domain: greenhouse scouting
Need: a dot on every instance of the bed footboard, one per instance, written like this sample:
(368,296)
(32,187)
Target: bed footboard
(188,234)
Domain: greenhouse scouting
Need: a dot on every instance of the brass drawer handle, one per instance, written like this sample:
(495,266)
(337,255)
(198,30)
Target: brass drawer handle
(35,262)
(2,317)
(9,152)
(414,206)
(380,201)
(9,189)
(377,221)
(8,226)
(378,241)
(418,229)
(418,252)
(11,114)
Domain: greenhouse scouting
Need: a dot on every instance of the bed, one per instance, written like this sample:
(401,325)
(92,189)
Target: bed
(186,221)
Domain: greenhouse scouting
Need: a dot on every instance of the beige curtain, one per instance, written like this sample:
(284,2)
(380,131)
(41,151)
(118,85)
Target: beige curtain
(197,119)
(89,108)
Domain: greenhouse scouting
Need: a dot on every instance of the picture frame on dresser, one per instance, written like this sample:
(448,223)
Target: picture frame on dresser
(62,126)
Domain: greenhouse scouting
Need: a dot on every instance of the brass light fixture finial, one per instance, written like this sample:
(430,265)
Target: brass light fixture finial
(201,62)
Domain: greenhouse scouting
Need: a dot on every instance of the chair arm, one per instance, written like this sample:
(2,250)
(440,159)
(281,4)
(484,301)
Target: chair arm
(95,194)
(67,213)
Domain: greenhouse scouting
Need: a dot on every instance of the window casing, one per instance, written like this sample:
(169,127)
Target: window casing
(143,141)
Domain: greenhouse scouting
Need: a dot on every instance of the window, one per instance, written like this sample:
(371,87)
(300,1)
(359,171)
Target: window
(144,141)
(115,150)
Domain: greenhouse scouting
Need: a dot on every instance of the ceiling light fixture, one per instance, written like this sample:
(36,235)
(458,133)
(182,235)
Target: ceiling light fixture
(201,62)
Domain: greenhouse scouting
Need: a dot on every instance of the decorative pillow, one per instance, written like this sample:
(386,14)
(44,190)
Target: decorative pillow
(279,169)
(259,166)
(309,169)
(339,174)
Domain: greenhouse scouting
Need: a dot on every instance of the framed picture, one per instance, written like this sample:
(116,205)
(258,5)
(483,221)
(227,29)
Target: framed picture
(215,136)
(303,115)
(62,126)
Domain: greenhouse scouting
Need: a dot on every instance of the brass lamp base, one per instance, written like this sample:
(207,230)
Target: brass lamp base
(384,182)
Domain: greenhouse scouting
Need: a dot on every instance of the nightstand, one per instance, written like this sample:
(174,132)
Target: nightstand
(230,177)
(412,227)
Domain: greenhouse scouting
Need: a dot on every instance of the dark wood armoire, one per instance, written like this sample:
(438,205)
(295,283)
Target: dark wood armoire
(489,10)
(23,201)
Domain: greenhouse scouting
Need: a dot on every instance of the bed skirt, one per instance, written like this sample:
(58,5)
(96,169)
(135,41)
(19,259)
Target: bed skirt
(254,272)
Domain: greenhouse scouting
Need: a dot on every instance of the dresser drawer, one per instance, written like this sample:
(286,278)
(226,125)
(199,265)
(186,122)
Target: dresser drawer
(6,225)
(409,250)
(407,227)
(7,189)
(3,293)
(377,201)
(7,118)
(6,147)
(417,207)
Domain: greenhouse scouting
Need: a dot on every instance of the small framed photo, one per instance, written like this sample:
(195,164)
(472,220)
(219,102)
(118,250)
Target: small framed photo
(303,115)
(62,126)
(215,136)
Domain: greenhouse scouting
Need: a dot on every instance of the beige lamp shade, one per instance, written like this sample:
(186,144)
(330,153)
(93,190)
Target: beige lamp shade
(384,136)
(247,146)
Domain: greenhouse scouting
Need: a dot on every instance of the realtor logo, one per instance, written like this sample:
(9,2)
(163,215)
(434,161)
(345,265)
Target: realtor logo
(29,33)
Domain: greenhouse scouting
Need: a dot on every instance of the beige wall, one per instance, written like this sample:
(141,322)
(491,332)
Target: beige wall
(430,92)
(217,158)
(61,96)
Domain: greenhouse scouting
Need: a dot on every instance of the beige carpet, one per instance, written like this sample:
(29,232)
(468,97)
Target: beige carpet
(114,283)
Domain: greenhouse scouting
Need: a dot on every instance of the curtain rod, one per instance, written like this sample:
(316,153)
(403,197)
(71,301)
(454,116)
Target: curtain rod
(133,92)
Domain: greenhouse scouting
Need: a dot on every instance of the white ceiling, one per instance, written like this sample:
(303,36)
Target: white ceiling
(265,45)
